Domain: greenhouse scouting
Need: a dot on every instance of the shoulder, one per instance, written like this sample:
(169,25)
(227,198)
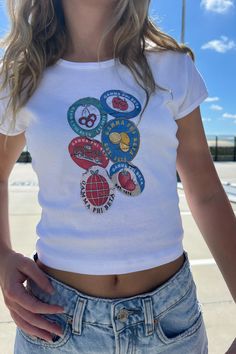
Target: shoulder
(167,58)
(169,66)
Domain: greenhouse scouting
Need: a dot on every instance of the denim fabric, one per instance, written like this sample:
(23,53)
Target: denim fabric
(166,320)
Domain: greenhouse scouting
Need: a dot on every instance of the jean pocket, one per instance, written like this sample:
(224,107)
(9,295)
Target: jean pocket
(58,341)
(180,320)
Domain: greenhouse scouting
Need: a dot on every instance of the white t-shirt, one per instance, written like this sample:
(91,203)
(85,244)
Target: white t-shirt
(108,185)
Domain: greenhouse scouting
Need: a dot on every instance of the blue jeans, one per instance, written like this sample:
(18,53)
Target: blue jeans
(166,320)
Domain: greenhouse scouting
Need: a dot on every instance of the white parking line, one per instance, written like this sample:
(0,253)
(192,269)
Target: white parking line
(197,262)
(186,212)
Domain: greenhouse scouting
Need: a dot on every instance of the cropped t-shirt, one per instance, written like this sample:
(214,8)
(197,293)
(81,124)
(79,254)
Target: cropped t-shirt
(107,180)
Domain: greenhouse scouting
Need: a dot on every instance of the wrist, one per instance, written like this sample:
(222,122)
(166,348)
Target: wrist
(5,251)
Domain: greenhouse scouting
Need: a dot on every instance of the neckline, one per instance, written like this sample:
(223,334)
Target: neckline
(87,64)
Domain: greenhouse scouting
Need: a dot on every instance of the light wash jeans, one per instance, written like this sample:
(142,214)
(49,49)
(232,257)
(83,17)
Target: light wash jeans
(167,320)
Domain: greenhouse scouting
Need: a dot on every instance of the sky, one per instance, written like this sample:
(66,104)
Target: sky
(211,34)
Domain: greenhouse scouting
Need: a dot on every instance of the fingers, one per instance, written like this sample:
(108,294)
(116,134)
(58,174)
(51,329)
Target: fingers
(31,330)
(23,305)
(31,269)
(37,321)
(30,302)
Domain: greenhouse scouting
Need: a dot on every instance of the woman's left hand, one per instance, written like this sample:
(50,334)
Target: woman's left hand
(232,349)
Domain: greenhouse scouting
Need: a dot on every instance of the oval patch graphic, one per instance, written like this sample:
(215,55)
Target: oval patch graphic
(120,104)
(97,190)
(120,140)
(87,117)
(86,152)
(127,178)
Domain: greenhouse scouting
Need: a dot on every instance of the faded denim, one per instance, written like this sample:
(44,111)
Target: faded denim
(166,320)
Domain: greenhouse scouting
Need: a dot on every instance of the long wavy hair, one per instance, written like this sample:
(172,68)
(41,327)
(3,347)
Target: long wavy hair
(38,37)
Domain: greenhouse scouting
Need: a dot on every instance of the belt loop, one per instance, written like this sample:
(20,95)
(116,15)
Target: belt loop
(148,315)
(78,315)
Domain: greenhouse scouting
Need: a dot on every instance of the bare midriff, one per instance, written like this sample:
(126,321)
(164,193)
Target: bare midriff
(116,285)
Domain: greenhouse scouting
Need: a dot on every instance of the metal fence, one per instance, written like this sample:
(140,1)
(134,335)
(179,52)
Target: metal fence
(222,148)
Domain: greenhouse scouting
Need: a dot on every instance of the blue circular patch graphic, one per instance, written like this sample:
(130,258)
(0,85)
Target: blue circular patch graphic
(87,117)
(120,139)
(118,103)
(127,178)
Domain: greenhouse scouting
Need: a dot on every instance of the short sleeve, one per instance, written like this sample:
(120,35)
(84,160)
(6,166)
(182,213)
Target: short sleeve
(195,90)
(6,121)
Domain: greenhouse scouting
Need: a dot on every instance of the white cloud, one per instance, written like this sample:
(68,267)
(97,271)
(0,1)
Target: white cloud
(229,115)
(219,6)
(220,45)
(216,107)
(212,99)
(206,119)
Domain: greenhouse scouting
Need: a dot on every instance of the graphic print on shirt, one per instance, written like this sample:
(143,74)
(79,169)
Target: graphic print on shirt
(87,152)
(120,139)
(115,103)
(127,178)
(97,190)
(120,142)
(87,117)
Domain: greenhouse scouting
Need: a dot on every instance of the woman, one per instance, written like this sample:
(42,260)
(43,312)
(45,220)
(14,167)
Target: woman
(101,133)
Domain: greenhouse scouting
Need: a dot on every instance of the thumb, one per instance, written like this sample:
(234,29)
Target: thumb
(30,268)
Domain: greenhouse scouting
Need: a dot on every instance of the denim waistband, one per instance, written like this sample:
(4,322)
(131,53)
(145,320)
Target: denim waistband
(117,312)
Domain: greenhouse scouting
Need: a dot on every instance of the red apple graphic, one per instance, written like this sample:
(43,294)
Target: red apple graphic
(130,185)
(124,178)
(118,103)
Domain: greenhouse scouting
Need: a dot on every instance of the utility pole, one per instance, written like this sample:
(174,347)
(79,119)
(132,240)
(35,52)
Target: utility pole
(183,21)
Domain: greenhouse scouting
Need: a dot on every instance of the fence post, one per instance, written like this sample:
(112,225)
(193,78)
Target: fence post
(235,148)
(216,149)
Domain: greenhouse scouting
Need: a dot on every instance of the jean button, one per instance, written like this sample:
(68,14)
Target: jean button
(123,315)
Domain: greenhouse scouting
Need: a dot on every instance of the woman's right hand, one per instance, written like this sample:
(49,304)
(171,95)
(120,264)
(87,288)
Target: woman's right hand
(25,309)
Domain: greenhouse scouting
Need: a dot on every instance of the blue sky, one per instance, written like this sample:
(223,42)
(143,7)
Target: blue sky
(211,33)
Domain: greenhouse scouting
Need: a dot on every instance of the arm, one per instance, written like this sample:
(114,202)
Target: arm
(206,197)
(24,308)
(8,157)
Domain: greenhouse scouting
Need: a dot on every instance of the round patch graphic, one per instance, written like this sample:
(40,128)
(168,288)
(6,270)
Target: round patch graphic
(97,190)
(120,104)
(87,152)
(87,117)
(127,178)
(120,140)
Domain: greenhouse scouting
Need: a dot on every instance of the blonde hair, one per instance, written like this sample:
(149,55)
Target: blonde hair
(38,38)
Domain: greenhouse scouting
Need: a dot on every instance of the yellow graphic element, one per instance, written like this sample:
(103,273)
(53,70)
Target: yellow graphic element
(124,147)
(115,137)
(122,139)
(125,141)
(125,138)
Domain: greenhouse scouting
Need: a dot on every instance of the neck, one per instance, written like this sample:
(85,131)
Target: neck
(86,22)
